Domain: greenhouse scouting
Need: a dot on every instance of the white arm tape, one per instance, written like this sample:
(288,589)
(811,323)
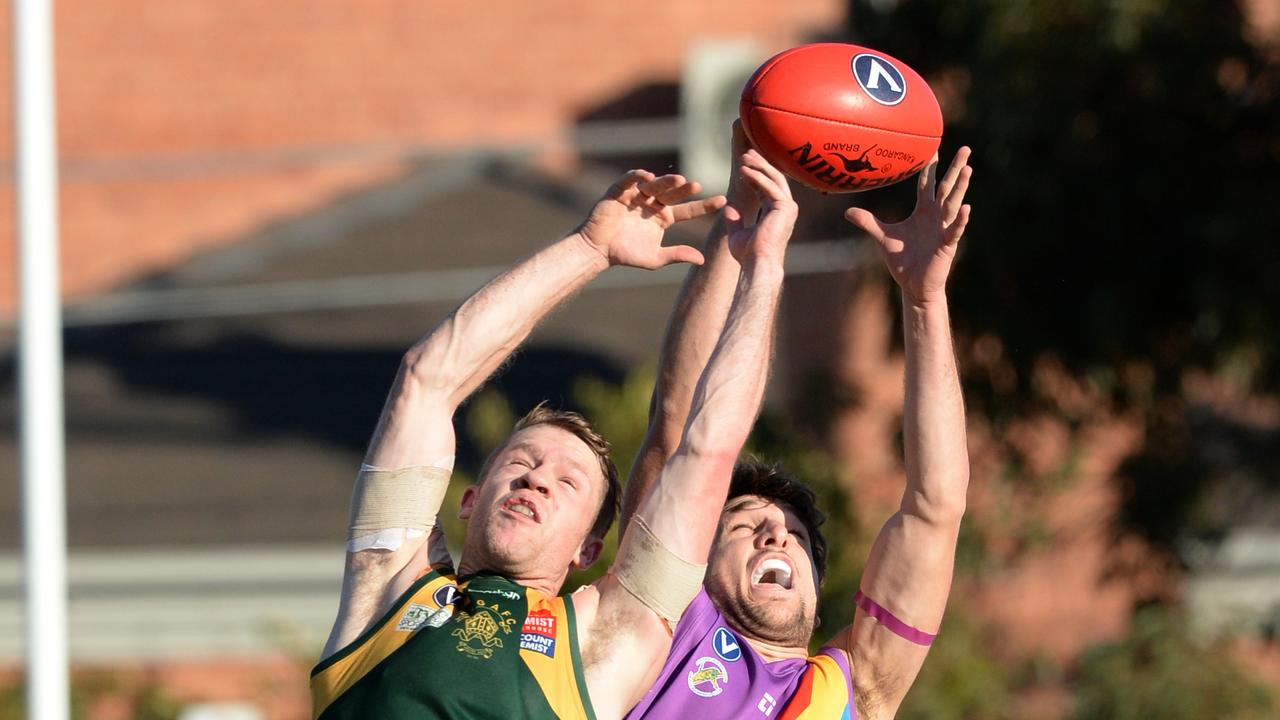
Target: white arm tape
(652,573)
(389,539)
(405,500)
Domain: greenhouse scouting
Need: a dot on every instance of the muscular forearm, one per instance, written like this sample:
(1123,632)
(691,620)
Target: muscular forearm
(476,338)
(450,362)
(696,323)
(937,460)
(683,507)
(728,395)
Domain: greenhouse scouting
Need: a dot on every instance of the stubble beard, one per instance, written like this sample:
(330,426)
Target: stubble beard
(502,549)
(779,626)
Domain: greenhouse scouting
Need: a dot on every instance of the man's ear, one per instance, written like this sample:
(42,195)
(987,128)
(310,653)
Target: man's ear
(588,553)
(468,502)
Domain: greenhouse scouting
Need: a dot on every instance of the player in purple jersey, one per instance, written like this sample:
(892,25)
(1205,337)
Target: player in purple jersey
(740,650)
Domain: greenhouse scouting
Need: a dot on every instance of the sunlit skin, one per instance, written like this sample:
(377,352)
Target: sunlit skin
(529,517)
(752,532)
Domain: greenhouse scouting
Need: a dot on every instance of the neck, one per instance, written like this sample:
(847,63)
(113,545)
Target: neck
(772,653)
(547,586)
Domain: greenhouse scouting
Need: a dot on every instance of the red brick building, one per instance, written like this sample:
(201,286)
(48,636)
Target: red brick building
(185,124)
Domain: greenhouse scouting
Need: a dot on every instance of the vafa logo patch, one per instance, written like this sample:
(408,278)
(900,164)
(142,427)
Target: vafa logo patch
(726,645)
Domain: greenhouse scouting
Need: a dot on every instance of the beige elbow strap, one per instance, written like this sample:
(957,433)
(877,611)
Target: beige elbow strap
(408,498)
(654,575)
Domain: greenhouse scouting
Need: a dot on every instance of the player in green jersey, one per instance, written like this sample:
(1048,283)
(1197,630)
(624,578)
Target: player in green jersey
(418,636)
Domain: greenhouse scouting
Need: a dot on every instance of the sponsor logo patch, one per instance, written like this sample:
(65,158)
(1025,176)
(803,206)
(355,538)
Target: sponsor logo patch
(508,594)
(708,677)
(539,633)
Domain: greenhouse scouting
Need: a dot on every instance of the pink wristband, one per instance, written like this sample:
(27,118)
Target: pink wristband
(887,619)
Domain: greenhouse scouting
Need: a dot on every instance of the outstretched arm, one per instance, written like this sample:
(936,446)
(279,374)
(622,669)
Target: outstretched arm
(416,426)
(684,507)
(908,576)
(627,639)
(692,335)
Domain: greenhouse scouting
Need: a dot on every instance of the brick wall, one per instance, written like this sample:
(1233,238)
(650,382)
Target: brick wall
(185,123)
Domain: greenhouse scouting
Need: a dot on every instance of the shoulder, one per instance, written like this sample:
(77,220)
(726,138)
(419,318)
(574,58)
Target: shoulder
(826,687)
(700,613)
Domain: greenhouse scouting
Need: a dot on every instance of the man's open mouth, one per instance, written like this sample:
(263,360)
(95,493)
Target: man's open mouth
(772,571)
(520,507)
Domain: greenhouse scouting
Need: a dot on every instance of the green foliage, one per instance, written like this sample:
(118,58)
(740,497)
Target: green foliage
(490,418)
(619,412)
(152,703)
(1159,671)
(12,702)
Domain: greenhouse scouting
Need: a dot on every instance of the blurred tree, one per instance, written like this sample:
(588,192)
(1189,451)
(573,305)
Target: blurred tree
(1125,222)
(960,679)
(1128,152)
(1158,671)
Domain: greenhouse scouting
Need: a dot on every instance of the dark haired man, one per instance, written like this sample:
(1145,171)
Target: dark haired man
(416,639)
(741,648)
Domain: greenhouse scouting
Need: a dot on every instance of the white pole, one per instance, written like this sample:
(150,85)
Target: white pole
(40,363)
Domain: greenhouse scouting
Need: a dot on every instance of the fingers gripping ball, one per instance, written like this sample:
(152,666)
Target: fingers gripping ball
(841,118)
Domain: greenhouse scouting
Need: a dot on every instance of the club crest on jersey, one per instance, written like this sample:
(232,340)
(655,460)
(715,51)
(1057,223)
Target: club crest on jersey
(708,677)
(478,636)
(539,633)
(726,645)
(879,79)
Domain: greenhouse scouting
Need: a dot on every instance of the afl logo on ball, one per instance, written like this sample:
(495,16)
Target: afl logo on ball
(880,80)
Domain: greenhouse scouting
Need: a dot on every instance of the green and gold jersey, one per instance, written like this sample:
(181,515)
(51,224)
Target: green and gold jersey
(481,647)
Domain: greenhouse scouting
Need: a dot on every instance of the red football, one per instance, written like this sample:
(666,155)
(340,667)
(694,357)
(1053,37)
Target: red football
(841,118)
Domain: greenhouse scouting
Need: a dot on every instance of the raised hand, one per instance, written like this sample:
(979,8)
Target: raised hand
(919,250)
(627,224)
(768,237)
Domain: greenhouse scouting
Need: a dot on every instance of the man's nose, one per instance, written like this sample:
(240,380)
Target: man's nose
(537,479)
(772,534)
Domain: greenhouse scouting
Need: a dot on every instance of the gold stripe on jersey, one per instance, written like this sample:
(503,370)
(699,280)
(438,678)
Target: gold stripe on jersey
(345,668)
(560,674)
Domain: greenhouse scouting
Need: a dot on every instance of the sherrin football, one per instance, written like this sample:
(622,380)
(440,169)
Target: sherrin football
(841,118)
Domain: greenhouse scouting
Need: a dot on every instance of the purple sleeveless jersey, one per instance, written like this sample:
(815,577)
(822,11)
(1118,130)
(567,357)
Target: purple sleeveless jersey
(713,673)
